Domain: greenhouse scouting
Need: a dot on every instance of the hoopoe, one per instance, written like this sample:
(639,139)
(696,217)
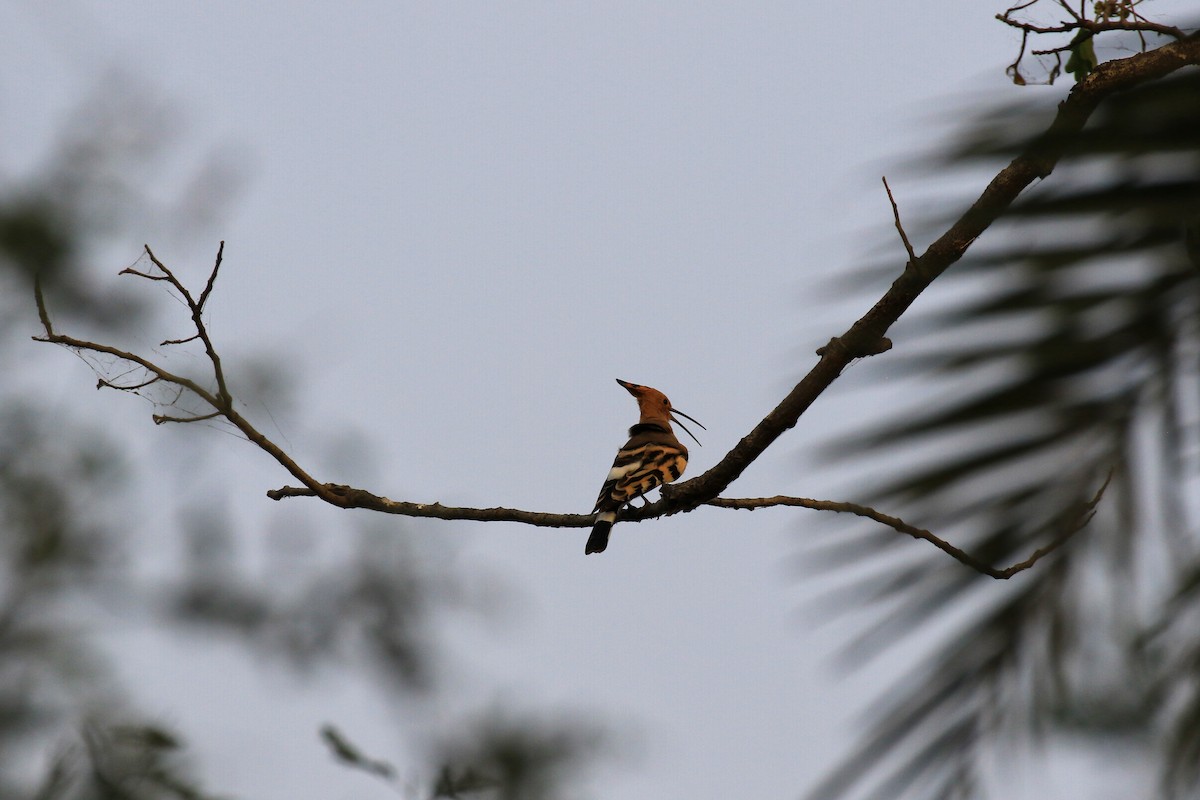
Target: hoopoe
(651,457)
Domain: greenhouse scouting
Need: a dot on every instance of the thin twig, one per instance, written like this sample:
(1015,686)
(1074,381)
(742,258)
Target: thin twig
(1053,51)
(197,310)
(1014,69)
(1097,26)
(107,384)
(40,299)
(212,278)
(1082,517)
(912,255)
(222,402)
(159,419)
(350,497)
(1106,21)
(139,274)
(1077,15)
(357,498)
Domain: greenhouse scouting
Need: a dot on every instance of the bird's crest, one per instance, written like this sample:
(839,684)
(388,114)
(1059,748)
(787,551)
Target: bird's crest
(655,407)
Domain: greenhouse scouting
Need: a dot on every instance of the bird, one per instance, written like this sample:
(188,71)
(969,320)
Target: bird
(651,457)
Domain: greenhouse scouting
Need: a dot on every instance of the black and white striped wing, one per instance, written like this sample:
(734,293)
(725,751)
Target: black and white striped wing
(639,469)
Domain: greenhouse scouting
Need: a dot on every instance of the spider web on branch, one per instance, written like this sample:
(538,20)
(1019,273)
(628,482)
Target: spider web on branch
(113,372)
(182,355)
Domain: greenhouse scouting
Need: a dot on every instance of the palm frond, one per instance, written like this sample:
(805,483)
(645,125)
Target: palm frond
(1080,355)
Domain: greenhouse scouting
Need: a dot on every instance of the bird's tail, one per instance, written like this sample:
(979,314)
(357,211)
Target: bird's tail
(599,538)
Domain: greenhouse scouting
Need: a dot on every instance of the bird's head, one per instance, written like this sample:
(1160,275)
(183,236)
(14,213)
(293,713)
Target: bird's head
(655,407)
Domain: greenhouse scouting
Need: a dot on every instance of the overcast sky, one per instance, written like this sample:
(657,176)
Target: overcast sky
(458,223)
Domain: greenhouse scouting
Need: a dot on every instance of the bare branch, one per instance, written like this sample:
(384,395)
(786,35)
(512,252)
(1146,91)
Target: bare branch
(1081,518)
(1027,27)
(865,337)
(1053,51)
(350,497)
(159,419)
(146,275)
(103,383)
(1014,69)
(167,275)
(357,498)
(96,347)
(1111,16)
(43,315)
(221,403)
(1067,7)
(912,256)
(197,309)
(1139,24)
(1020,7)
(212,278)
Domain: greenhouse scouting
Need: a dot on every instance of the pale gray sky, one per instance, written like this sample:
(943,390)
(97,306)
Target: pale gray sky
(461,222)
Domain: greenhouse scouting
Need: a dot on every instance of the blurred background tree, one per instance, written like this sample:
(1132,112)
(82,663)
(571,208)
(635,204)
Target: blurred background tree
(64,481)
(69,555)
(1065,347)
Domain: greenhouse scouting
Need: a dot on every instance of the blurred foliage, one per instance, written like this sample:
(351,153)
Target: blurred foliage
(374,606)
(59,477)
(350,755)
(1066,346)
(501,757)
(120,762)
(68,555)
(82,196)
(497,756)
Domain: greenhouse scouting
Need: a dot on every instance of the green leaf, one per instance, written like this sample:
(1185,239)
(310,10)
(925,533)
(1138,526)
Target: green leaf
(1083,56)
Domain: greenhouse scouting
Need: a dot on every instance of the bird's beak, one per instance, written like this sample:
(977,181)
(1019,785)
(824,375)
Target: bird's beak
(690,419)
(675,411)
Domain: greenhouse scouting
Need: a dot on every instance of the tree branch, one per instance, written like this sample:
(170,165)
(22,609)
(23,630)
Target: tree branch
(1137,24)
(1038,161)
(1081,517)
(357,498)
(350,497)
(221,402)
(197,309)
(159,419)
(912,255)
(864,338)
(1112,15)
